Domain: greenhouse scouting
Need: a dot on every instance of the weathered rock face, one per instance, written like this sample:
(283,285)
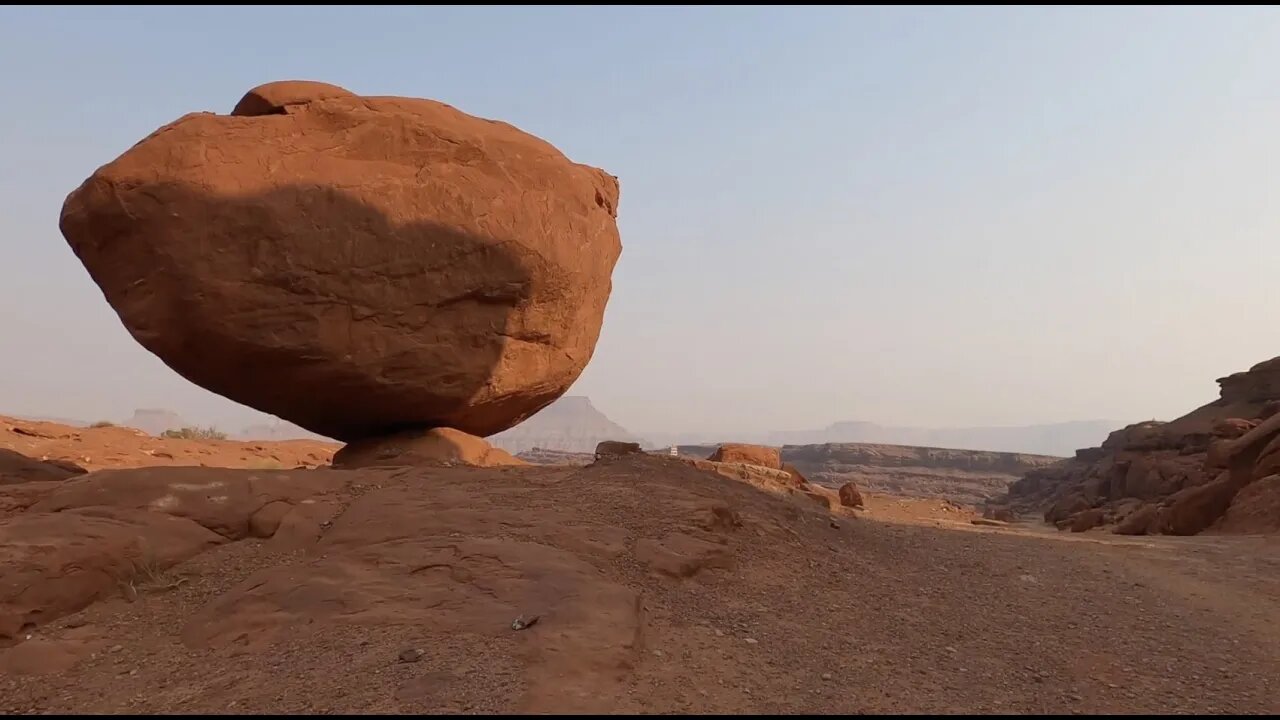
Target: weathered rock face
(355,265)
(1178,478)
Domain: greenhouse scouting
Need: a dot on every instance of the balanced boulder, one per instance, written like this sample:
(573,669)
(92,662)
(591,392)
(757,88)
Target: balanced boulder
(356,265)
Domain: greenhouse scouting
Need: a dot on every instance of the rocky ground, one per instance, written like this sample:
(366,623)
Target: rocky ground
(118,446)
(656,587)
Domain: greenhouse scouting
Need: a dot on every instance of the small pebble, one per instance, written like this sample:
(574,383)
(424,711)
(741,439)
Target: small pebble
(410,655)
(826,676)
(751,641)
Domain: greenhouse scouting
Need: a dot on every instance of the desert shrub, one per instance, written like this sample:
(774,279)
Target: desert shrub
(194,433)
(102,424)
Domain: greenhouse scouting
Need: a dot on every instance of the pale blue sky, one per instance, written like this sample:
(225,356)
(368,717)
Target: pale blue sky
(936,216)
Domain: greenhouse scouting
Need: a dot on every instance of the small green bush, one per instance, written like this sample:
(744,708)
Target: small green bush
(194,433)
(102,424)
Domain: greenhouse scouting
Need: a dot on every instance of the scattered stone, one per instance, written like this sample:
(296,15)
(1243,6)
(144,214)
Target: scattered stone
(849,495)
(521,624)
(615,448)
(411,655)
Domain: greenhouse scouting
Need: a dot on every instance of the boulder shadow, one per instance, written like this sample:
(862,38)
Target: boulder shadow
(311,305)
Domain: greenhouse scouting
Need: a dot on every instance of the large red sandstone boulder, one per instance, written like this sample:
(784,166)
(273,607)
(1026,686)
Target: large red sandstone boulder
(769,457)
(357,265)
(849,495)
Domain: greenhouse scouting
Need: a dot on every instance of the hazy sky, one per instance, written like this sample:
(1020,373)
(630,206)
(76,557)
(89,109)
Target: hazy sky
(936,216)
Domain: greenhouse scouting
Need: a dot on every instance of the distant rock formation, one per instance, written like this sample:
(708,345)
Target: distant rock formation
(1212,467)
(1058,439)
(154,421)
(278,430)
(570,424)
(542,456)
(969,477)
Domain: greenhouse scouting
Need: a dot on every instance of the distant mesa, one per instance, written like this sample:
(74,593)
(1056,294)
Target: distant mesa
(571,424)
(155,421)
(966,477)
(279,430)
(358,266)
(1060,439)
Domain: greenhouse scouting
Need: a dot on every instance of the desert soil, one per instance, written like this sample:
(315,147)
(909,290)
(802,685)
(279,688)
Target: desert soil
(660,589)
(97,448)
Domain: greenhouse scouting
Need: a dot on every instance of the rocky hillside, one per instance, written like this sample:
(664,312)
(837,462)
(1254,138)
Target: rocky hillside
(963,476)
(1215,467)
(570,424)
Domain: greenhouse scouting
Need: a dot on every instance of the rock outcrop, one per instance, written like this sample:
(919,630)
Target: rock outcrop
(614,448)
(355,265)
(543,456)
(18,468)
(438,446)
(1207,469)
(751,464)
(768,457)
